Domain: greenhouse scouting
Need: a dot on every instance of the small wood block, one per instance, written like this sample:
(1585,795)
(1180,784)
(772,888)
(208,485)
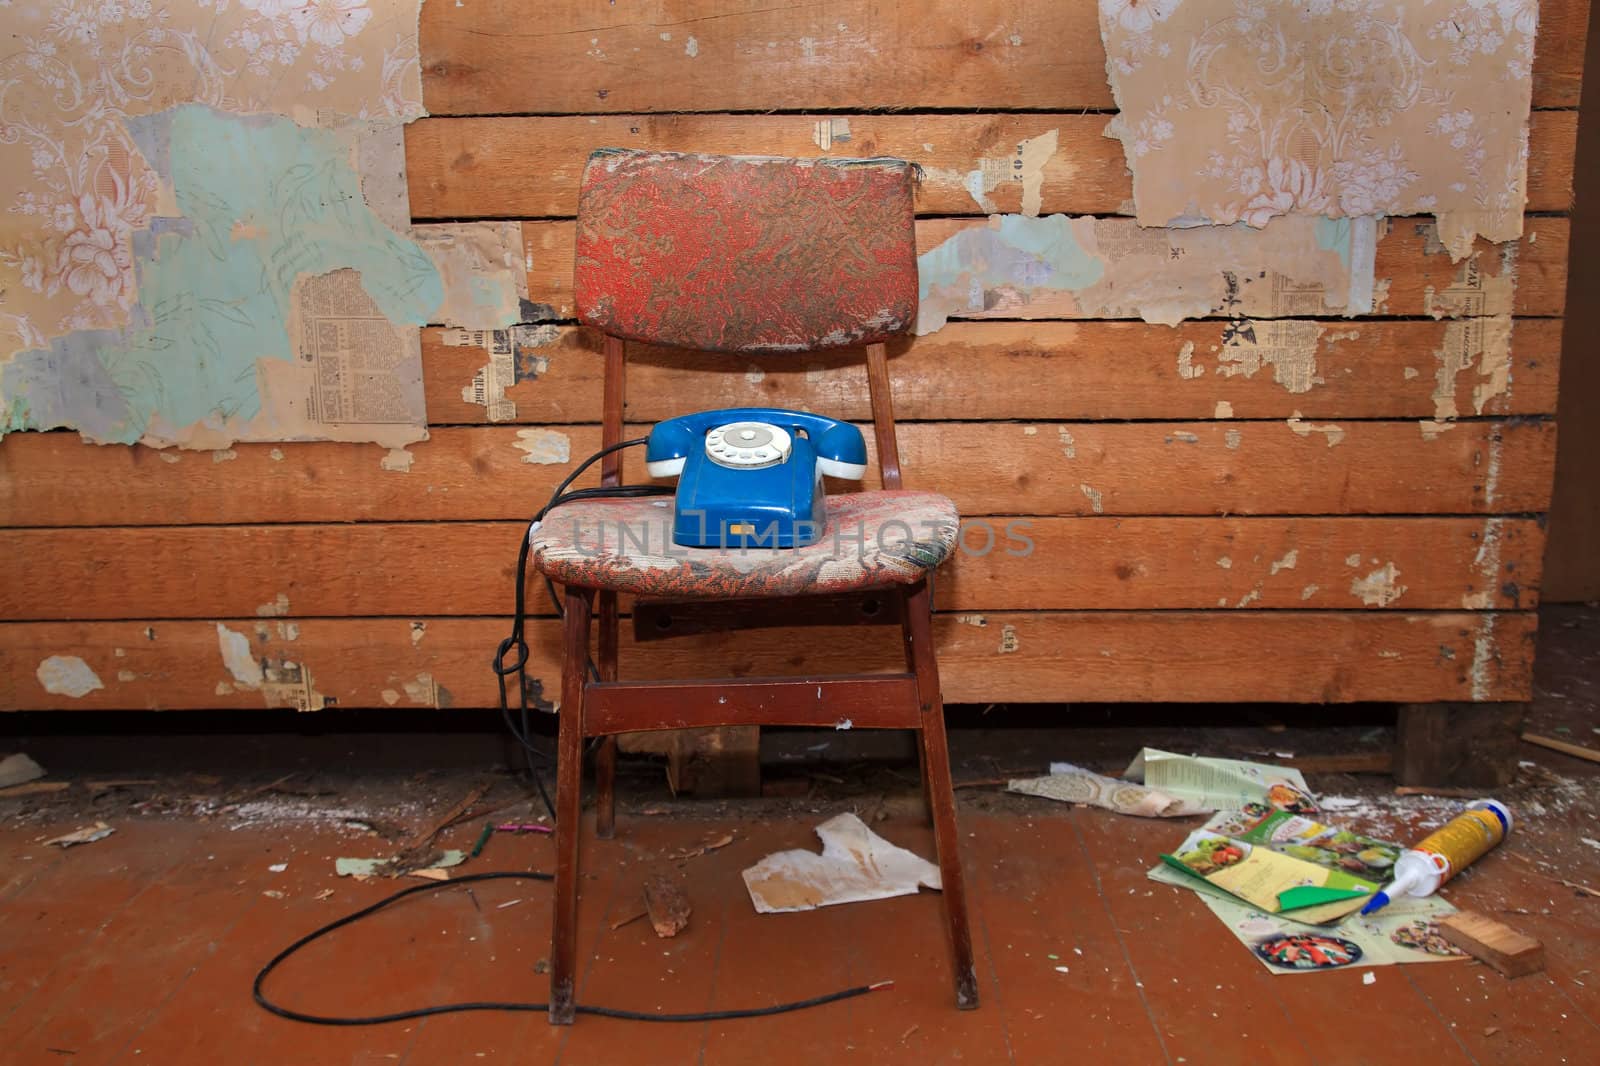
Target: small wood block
(667,905)
(1492,942)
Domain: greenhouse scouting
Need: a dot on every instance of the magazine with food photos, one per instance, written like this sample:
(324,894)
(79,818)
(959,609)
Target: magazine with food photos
(1406,932)
(1282,862)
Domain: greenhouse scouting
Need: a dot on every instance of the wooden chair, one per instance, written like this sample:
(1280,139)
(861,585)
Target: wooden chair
(734,254)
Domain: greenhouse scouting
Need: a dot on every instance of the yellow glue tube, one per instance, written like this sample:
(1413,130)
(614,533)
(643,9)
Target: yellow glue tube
(1462,841)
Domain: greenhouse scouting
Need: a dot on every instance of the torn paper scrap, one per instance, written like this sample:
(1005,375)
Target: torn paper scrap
(513,358)
(1012,266)
(1244,112)
(1074,784)
(481,267)
(1222,784)
(87,835)
(364,868)
(856,864)
(358,868)
(1024,165)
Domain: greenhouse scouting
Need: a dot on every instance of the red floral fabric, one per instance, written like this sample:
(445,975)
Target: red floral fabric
(746,254)
(871,539)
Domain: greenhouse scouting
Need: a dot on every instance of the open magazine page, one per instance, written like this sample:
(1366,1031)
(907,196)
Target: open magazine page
(1268,879)
(1404,932)
(1299,837)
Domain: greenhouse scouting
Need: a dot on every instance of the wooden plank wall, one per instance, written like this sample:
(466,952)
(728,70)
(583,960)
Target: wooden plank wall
(1318,545)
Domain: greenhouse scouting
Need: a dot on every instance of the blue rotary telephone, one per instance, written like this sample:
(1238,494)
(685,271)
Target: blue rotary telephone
(751,477)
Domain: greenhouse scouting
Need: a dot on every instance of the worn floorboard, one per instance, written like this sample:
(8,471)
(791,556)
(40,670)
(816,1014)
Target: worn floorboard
(140,949)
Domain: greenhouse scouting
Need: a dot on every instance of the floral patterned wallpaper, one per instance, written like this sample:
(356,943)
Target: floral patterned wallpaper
(78,187)
(1242,110)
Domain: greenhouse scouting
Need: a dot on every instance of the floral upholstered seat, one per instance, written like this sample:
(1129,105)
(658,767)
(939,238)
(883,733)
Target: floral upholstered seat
(871,539)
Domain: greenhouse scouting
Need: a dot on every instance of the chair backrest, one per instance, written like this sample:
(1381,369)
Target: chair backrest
(746,254)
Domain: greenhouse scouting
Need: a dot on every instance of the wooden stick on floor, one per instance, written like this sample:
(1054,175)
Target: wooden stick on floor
(1575,750)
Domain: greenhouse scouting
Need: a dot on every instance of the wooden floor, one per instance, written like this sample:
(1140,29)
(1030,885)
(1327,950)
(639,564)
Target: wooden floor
(140,948)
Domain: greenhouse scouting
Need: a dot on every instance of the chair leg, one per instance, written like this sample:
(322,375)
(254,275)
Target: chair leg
(941,793)
(922,761)
(569,790)
(605,761)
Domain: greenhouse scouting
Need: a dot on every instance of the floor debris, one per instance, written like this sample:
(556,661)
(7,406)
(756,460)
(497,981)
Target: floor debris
(628,919)
(1073,784)
(1578,887)
(855,865)
(87,835)
(34,788)
(1577,751)
(667,904)
(361,869)
(712,845)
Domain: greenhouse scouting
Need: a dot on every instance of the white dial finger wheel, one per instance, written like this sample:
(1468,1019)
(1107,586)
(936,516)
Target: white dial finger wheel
(748,445)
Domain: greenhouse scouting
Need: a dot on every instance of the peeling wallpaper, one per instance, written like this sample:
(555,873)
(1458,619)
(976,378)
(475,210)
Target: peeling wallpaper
(209,236)
(1252,109)
(83,68)
(1020,267)
(271,232)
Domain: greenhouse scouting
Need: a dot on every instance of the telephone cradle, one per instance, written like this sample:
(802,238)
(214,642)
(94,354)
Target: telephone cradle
(751,477)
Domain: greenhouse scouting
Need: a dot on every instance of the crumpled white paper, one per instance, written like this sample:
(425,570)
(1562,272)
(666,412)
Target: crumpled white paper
(856,864)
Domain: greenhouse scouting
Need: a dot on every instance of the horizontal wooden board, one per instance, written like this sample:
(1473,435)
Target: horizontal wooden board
(1408,258)
(1079,371)
(530,167)
(468,568)
(1138,468)
(1203,656)
(496,57)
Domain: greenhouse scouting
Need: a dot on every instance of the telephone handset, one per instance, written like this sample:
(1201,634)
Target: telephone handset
(752,476)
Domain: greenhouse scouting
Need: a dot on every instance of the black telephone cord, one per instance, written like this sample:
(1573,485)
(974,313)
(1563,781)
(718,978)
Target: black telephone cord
(516,641)
(493,1005)
(503,669)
